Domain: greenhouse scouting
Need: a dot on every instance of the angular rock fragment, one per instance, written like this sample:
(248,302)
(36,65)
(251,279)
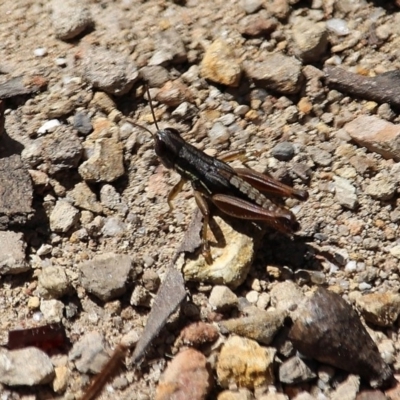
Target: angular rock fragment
(22,85)
(109,71)
(53,282)
(381,309)
(56,151)
(277,72)
(345,193)
(83,197)
(261,327)
(245,363)
(29,366)
(222,298)
(170,49)
(220,64)
(89,353)
(174,93)
(63,217)
(16,192)
(295,370)
(12,254)
(70,18)
(106,162)
(377,135)
(327,329)
(310,39)
(231,262)
(105,275)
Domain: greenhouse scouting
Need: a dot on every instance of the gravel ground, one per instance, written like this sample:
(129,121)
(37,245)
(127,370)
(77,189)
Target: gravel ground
(304,88)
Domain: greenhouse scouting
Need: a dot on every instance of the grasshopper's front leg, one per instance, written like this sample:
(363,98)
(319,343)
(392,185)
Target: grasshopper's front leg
(203,206)
(174,192)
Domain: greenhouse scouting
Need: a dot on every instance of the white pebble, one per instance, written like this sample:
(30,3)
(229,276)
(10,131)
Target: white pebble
(61,61)
(351,266)
(218,133)
(338,26)
(40,52)
(49,126)
(364,286)
(252,296)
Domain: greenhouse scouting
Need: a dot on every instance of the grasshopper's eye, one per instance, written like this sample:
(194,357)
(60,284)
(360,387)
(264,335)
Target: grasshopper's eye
(160,147)
(163,152)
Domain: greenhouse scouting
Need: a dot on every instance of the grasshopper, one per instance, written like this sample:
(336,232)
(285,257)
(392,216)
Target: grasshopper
(238,192)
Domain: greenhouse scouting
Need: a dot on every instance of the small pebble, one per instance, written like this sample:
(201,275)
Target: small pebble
(222,298)
(218,134)
(227,119)
(82,123)
(283,151)
(338,26)
(251,6)
(40,52)
(241,110)
(61,61)
(49,126)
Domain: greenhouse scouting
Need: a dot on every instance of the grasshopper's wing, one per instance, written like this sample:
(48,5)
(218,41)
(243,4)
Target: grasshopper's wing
(267,184)
(277,217)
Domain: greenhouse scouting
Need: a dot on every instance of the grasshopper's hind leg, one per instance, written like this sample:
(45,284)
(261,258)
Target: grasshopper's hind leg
(203,206)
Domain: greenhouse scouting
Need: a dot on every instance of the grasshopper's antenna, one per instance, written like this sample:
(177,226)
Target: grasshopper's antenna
(152,113)
(151,107)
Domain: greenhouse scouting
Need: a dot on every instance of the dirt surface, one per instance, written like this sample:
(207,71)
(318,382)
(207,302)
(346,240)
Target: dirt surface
(292,125)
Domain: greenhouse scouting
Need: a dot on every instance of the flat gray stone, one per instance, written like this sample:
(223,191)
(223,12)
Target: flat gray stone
(70,18)
(16,192)
(12,254)
(89,353)
(29,367)
(105,275)
(108,70)
(276,72)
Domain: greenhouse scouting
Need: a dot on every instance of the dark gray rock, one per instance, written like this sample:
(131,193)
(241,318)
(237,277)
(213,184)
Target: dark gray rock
(16,192)
(329,330)
(283,151)
(82,123)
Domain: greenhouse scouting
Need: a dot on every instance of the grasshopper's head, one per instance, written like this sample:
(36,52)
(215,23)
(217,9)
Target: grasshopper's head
(168,143)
